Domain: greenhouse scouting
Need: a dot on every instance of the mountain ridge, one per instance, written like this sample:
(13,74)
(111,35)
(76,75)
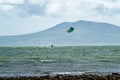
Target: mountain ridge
(85,33)
(60,24)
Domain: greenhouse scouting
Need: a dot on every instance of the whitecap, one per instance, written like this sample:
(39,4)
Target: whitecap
(66,73)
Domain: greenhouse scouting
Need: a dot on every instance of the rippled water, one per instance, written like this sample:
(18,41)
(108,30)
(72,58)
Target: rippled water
(44,60)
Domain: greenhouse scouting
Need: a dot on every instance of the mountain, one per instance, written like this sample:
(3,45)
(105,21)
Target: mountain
(85,33)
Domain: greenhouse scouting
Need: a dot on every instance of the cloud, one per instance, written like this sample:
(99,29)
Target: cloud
(105,7)
(38,2)
(6,9)
(28,9)
(24,8)
(67,9)
(106,10)
(11,1)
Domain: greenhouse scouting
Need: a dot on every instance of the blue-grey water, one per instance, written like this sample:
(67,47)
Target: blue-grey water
(44,60)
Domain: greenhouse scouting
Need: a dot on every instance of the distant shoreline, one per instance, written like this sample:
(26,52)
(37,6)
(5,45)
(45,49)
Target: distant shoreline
(49,46)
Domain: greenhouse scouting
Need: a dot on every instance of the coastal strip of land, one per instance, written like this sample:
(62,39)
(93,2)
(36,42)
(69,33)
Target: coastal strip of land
(112,76)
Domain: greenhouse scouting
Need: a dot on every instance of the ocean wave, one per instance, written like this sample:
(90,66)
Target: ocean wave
(47,61)
(66,73)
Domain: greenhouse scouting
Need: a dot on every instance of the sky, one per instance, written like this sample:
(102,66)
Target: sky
(28,16)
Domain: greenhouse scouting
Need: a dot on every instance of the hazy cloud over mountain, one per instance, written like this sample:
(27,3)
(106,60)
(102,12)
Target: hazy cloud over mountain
(52,12)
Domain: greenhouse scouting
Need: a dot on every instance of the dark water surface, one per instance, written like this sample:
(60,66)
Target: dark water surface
(45,60)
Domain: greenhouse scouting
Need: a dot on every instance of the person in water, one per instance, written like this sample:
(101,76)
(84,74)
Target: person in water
(52,46)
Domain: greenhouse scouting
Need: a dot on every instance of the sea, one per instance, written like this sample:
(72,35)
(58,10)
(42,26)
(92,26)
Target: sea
(36,61)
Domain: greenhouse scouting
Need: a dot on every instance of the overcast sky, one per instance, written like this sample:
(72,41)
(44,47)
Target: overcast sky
(27,16)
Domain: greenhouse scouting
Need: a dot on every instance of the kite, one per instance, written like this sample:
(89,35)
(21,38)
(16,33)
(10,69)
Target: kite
(71,29)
